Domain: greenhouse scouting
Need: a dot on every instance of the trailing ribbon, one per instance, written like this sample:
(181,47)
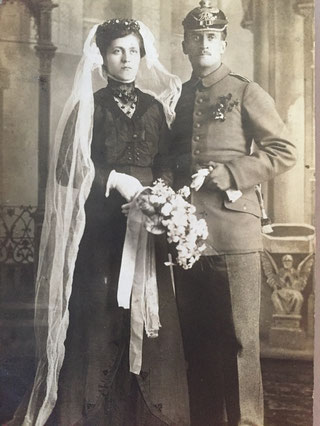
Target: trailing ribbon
(138,281)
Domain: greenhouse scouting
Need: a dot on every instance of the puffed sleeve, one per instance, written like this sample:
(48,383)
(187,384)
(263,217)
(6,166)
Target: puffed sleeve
(275,153)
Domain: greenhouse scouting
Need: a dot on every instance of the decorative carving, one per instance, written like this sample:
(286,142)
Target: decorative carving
(287,282)
(17,234)
(37,7)
(304,8)
(45,54)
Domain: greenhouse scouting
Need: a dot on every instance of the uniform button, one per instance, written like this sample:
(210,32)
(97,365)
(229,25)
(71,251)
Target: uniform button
(199,113)
(244,207)
(134,136)
(129,158)
(197,125)
(196,138)
(197,152)
(200,100)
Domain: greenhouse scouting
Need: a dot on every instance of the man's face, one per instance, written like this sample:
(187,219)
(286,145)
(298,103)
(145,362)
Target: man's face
(204,48)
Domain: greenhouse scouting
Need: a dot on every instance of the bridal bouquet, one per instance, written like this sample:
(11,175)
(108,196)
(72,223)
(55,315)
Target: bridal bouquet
(168,211)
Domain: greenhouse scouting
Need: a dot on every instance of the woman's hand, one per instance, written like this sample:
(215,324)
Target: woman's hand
(127,185)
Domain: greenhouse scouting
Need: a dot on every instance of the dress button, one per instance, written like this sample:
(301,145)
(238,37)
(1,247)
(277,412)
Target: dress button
(196,138)
(197,152)
(134,136)
(199,113)
(197,125)
(200,100)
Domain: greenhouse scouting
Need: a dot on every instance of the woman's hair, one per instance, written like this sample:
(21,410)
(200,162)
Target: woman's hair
(117,28)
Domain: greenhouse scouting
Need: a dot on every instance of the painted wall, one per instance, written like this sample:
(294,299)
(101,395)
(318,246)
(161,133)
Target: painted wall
(19,83)
(69,28)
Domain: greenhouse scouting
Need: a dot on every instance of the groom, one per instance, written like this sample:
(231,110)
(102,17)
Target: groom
(219,117)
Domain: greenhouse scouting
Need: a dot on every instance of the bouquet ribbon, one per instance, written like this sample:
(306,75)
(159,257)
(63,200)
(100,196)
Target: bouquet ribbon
(137,281)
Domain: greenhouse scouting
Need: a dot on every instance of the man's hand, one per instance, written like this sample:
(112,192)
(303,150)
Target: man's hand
(219,177)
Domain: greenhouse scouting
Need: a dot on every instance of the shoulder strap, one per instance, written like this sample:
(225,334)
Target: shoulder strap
(240,77)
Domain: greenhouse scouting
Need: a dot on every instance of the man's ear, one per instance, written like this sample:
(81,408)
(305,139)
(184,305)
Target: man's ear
(224,45)
(184,49)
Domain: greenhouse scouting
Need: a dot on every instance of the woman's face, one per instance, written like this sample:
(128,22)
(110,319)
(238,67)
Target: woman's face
(122,58)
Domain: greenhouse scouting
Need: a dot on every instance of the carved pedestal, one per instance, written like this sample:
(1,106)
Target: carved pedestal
(287,308)
(286,332)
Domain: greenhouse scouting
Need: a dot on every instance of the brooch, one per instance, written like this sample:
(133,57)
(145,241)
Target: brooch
(223,106)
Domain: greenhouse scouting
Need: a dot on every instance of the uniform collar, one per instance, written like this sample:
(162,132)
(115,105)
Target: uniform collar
(215,76)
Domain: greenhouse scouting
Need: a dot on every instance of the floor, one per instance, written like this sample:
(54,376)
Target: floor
(287,390)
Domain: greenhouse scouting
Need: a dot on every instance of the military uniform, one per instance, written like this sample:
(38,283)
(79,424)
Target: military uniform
(217,119)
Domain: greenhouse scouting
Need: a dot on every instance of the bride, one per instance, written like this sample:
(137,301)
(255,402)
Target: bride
(109,144)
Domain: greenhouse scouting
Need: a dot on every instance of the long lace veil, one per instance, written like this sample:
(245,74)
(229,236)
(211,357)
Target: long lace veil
(64,219)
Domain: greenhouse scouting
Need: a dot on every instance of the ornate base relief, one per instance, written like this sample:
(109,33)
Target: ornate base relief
(286,332)
(287,284)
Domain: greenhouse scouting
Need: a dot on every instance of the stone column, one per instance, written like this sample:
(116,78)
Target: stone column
(306,10)
(180,62)
(278,67)
(45,51)
(4,84)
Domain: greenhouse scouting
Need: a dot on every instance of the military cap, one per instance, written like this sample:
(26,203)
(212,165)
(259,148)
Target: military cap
(204,18)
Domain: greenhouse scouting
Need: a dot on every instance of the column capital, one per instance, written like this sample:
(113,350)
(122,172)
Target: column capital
(39,7)
(45,53)
(247,20)
(304,8)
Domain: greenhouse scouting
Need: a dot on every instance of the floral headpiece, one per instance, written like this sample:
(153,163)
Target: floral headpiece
(126,24)
(110,28)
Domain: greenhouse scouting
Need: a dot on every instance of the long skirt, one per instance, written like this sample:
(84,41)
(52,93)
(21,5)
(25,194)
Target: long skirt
(95,385)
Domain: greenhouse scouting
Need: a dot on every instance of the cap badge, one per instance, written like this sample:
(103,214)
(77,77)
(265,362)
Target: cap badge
(206,18)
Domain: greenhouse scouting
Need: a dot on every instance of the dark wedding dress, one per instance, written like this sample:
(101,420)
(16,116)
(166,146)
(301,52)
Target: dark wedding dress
(95,385)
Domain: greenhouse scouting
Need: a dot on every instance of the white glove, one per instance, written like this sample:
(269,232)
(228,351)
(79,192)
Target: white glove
(199,177)
(127,185)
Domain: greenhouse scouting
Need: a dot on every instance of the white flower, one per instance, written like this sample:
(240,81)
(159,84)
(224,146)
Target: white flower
(157,200)
(179,218)
(166,209)
(184,192)
(202,229)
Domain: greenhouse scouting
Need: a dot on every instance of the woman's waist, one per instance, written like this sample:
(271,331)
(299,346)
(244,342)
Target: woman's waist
(143,174)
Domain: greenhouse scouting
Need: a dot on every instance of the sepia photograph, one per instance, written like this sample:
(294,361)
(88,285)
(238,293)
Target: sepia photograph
(158,213)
